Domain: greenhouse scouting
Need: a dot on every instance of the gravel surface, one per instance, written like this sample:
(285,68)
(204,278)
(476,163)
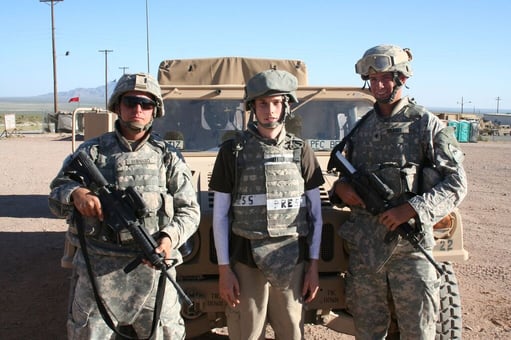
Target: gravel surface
(34,287)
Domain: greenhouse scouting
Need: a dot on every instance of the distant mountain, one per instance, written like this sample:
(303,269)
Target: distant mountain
(89,97)
(85,94)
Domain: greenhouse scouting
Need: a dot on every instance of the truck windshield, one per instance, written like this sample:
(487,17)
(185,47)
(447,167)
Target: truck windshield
(324,123)
(202,125)
(199,125)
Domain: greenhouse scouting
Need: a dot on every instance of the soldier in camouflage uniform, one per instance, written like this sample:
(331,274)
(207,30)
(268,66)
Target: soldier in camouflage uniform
(267,206)
(402,143)
(129,156)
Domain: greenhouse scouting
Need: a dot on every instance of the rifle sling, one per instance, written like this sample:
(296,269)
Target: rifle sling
(355,128)
(102,309)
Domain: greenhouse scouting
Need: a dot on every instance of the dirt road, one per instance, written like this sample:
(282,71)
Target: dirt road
(34,288)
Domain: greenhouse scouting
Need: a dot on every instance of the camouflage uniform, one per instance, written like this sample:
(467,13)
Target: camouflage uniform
(397,148)
(158,172)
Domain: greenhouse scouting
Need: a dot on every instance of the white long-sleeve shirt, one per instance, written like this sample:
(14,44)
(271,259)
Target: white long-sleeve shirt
(222,203)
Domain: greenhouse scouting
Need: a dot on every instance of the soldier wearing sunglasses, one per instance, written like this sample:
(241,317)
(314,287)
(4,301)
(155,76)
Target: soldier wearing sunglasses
(403,144)
(141,305)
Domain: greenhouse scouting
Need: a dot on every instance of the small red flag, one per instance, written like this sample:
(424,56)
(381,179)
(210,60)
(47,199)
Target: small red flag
(74,99)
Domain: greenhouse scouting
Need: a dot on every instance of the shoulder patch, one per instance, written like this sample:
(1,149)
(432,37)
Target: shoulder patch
(448,144)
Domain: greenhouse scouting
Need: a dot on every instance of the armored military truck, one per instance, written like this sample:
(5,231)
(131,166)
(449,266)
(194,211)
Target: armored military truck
(203,101)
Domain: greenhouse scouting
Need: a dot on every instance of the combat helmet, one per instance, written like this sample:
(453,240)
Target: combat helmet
(137,82)
(271,83)
(385,58)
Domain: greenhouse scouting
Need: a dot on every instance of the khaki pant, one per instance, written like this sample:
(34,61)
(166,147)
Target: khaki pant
(261,303)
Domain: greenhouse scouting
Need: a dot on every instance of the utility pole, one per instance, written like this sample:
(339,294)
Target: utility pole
(55,93)
(124,68)
(498,100)
(462,103)
(106,75)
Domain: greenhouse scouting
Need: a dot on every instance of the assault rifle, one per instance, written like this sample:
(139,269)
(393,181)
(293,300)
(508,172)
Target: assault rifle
(376,196)
(123,209)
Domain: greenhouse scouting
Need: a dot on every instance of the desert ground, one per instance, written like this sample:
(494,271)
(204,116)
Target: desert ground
(34,288)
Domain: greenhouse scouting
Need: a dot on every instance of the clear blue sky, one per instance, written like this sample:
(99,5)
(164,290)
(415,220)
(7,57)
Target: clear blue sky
(461,48)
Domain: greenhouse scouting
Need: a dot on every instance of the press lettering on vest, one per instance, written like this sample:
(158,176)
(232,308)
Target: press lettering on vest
(285,203)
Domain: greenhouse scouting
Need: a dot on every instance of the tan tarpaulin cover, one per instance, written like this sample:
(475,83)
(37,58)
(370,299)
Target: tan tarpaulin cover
(225,71)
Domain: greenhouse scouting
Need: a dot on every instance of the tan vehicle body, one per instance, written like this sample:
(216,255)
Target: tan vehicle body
(504,130)
(192,89)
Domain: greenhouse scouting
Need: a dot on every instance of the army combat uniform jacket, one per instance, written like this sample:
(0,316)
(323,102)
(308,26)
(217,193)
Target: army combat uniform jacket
(157,171)
(403,150)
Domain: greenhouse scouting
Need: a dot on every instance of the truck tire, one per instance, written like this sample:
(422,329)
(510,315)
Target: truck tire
(448,325)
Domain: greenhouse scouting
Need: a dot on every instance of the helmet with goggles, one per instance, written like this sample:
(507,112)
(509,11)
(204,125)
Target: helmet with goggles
(138,82)
(385,58)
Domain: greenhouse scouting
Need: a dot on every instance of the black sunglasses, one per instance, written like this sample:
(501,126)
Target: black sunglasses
(132,101)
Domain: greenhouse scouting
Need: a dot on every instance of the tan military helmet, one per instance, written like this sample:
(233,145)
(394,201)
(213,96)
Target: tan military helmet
(385,58)
(137,82)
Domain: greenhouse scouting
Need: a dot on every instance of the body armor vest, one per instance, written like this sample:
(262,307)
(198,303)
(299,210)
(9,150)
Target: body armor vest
(391,149)
(144,170)
(269,199)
